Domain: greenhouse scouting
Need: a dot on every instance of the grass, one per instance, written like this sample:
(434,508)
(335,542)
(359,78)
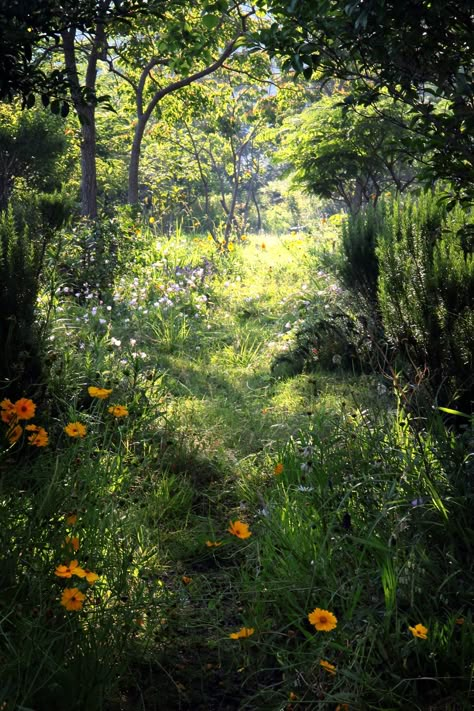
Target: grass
(368,517)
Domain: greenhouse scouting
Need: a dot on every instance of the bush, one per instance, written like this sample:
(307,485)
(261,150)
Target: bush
(425,284)
(359,237)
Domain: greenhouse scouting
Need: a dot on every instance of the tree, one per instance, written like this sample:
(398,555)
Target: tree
(420,52)
(353,155)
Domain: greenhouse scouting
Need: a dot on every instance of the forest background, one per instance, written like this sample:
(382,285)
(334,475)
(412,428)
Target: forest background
(236,284)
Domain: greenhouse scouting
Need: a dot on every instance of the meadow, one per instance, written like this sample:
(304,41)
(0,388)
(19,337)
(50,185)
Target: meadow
(192,518)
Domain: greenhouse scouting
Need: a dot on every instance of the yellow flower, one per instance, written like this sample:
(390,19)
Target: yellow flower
(213,544)
(87,574)
(75,429)
(14,434)
(230,247)
(118,411)
(8,413)
(327,666)
(151,220)
(25,409)
(239,529)
(186,580)
(243,632)
(72,599)
(278,468)
(100,393)
(323,620)
(67,571)
(39,436)
(73,542)
(419,631)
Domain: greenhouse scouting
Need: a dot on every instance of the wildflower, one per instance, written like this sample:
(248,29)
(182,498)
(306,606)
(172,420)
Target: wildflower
(75,429)
(459,621)
(292,696)
(278,468)
(419,631)
(39,436)
(100,393)
(151,220)
(327,666)
(8,413)
(71,519)
(72,599)
(243,632)
(342,707)
(118,411)
(72,541)
(239,529)
(323,620)
(25,409)
(14,434)
(87,574)
(67,571)
(213,544)
(186,580)
(263,245)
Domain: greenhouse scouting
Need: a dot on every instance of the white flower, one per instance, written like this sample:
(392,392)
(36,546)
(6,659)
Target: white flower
(115,342)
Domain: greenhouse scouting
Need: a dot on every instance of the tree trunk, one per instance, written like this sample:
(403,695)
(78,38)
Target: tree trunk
(135,160)
(88,161)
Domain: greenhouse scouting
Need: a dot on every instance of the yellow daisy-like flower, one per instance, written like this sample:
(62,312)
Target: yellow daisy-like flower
(75,429)
(242,633)
(67,571)
(39,436)
(239,529)
(118,410)
(213,544)
(323,620)
(151,220)
(278,468)
(419,631)
(25,409)
(328,666)
(87,574)
(72,599)
(100,393)
(14,434)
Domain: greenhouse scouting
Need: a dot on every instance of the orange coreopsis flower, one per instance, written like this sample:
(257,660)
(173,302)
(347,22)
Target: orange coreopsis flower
(278,468)
(14,434)
(87,574)
(8,411)
(186,580)
(328,666)
(72,599)
(39,436)
(67,571)
(213,544)
(118,410)
(323,620)
(25,409)
(242,633)
(75,429)
(239,529)
(419,631)
(73,542)
(71,519)
(100,393)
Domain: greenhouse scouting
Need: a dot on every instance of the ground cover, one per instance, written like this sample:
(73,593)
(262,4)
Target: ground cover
(263,537)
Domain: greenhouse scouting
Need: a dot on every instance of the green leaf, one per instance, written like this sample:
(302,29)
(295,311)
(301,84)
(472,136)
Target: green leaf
(210,21)
(454,412)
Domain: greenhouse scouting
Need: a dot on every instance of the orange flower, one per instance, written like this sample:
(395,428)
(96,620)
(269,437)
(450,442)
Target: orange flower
(118,411)
(323,620)
(459,621)
(186,580)
(25,409)
(73,542)
(342,707)
(239,529)
(213,544)
(72,599)
(39,436)
(14,434)
(75,429)
(67,571)
(278,468)
(100,393)
(419,631)
(263,245)
(87,574)
(328,666)
(243,632)
(8,413)
(71,519)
